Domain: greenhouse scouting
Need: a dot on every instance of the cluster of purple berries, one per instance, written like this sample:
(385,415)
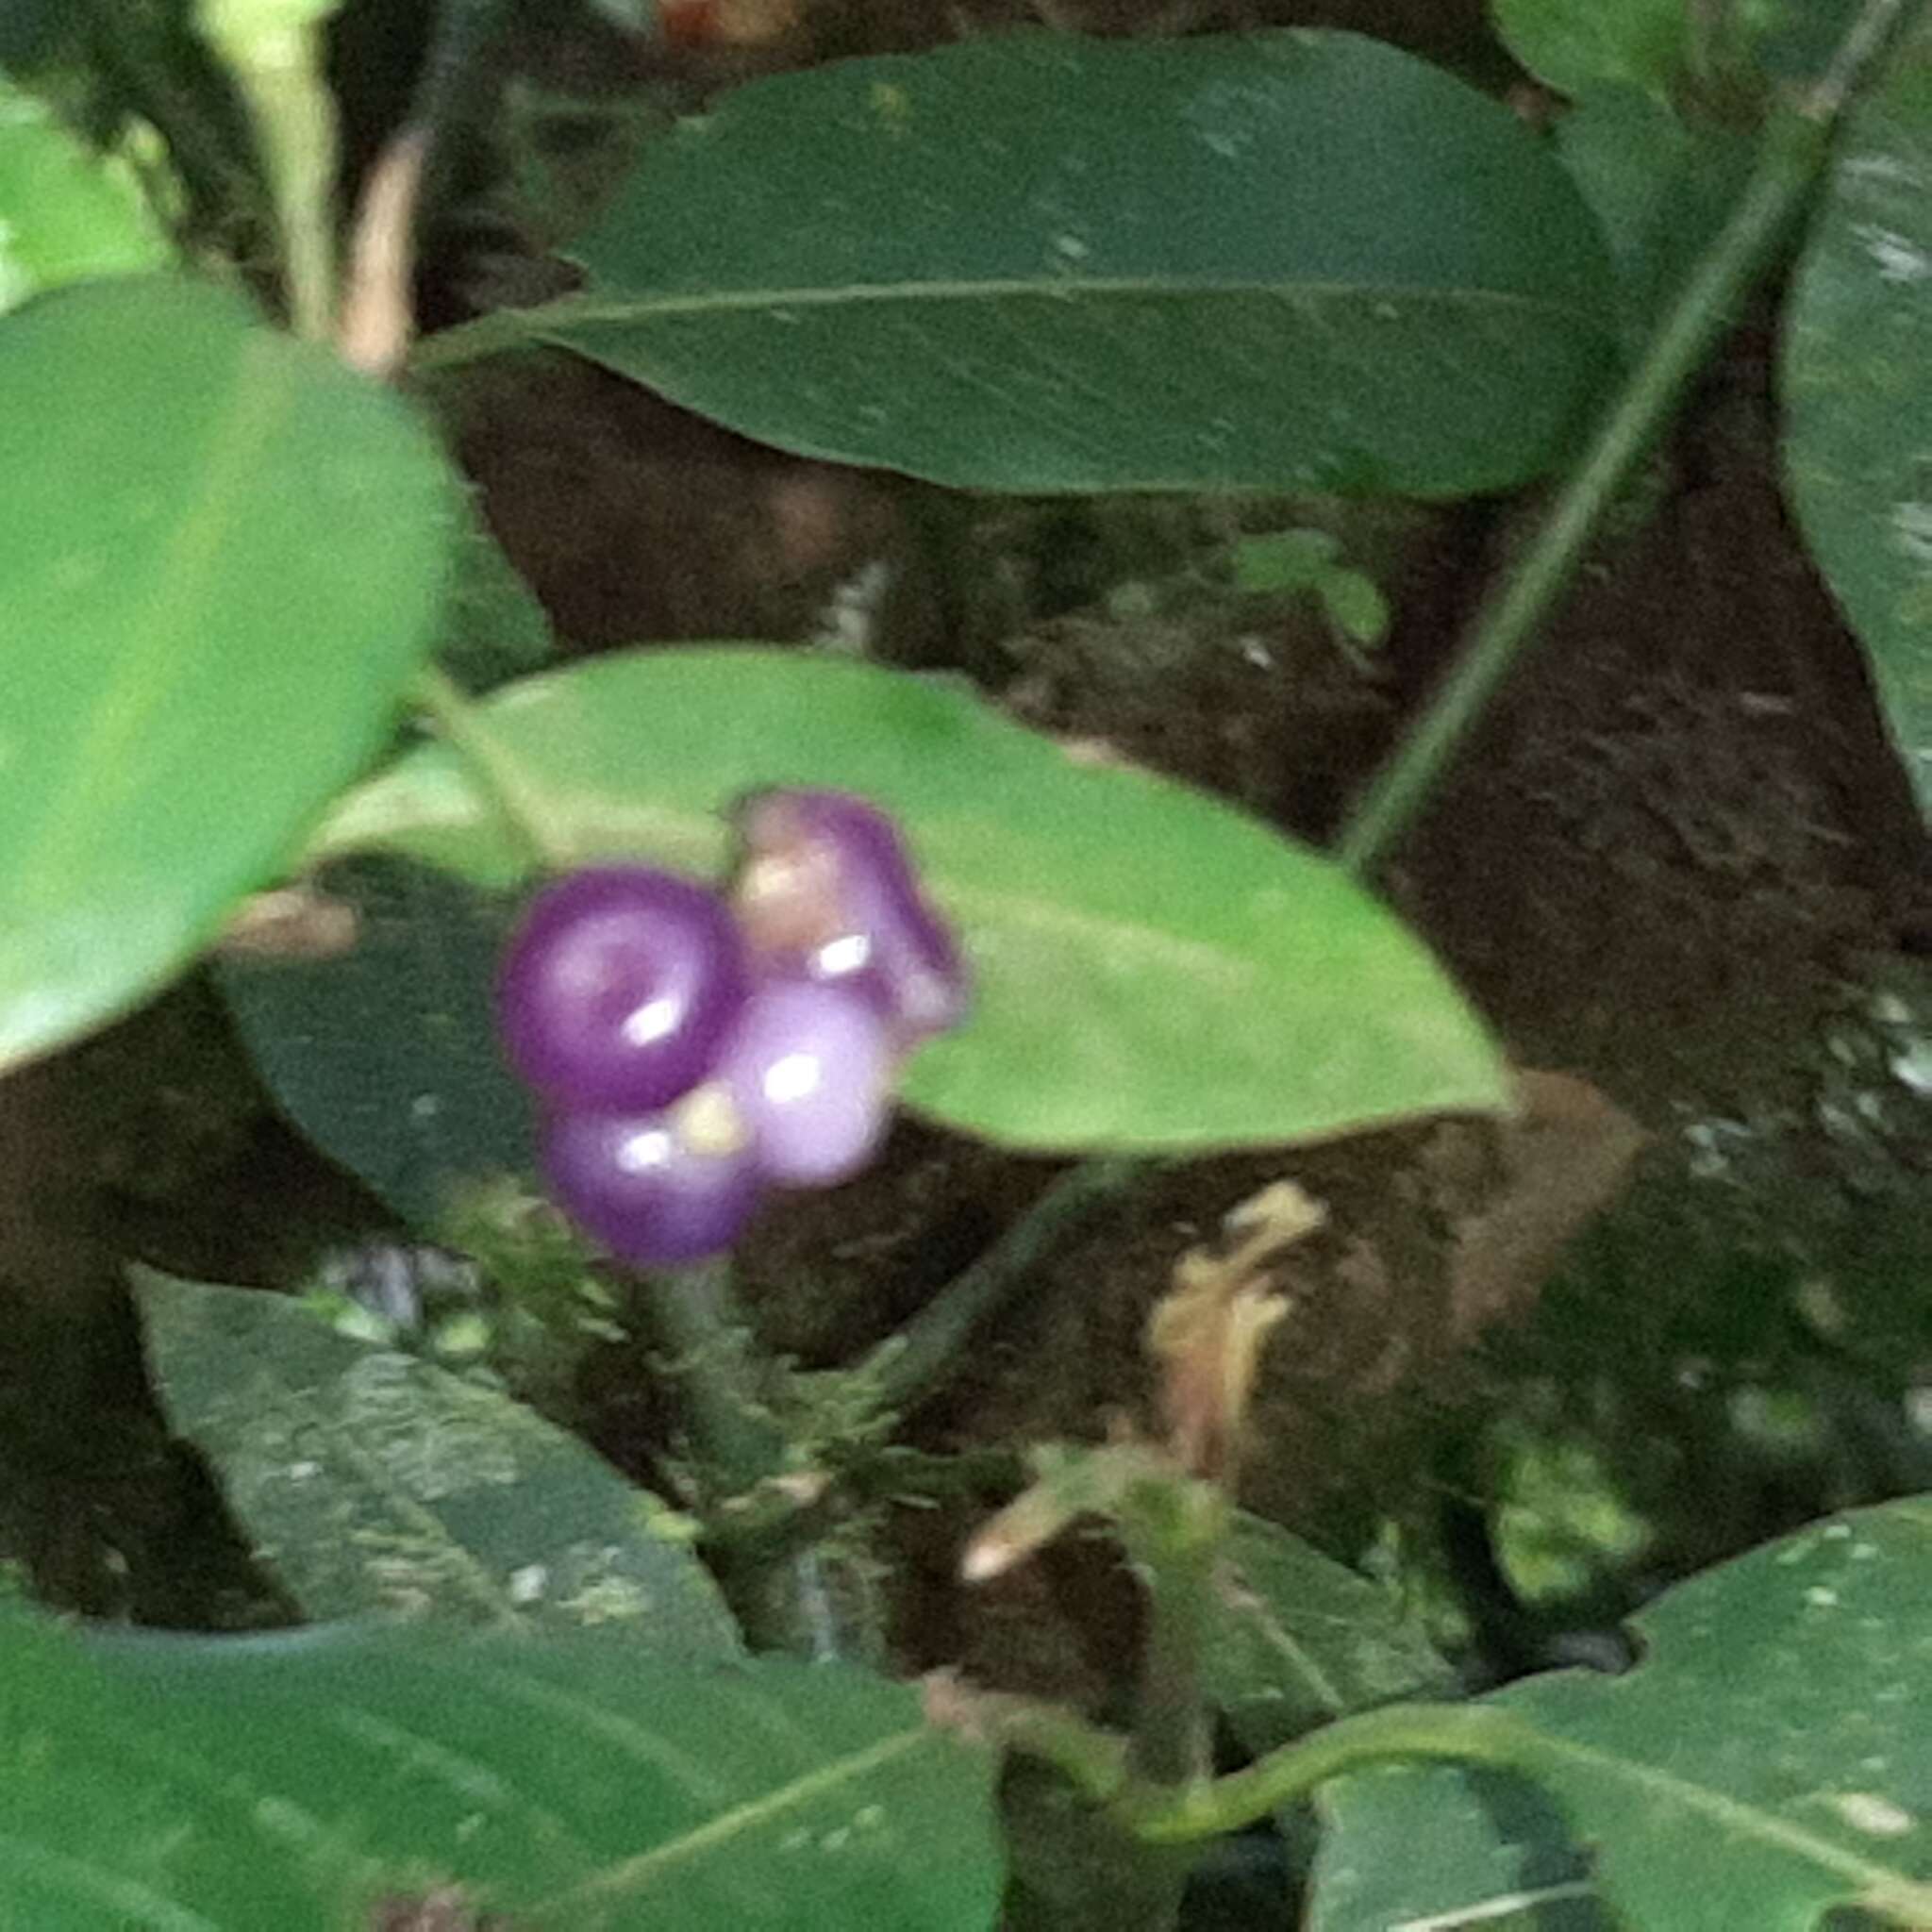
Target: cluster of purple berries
(692,1048)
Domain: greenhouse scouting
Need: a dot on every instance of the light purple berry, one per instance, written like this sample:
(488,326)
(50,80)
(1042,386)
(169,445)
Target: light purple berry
(827,891)
(809,1069)
(618,986)
(658,1188)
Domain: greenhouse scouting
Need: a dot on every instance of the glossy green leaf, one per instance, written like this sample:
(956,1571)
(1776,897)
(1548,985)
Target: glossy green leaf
(370,1480)
(1858,390)
(1153,970)
(66,213)
(387,1058)
(493,628)
(1405,1850)
(1695,55)
(1661,188)
(1767,1759)
(1572,45)
(1300,1639)
(559,1784)
(223,558)
(1037,262)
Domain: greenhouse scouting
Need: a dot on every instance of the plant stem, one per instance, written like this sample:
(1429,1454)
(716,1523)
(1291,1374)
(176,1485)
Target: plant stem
(696,1321)
(526,814)
(277,70)
(1790,156)
(1169,1743)
(1481,1734)
(910,1367)
(1865,40)
(501,329)
(1098,1765)
(786,1596)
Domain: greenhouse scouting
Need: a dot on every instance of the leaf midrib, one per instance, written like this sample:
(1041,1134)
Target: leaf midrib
(619,310)
(1881,1885)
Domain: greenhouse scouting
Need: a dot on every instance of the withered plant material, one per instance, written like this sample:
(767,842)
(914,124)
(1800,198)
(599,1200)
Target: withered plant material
(1206,1333)
(377,321)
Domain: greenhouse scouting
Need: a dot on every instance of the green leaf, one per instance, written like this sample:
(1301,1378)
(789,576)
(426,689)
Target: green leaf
(569,1785)
(1572,45)
(1153,970)
(1300,1639)
(1768,1760)
(1858,391)
(387,1058)
(1284,560)
(370,1480)
(493,628)
(66,213)
(1435,1848)
(222,559)
(1036,262)
(1716,54)
(1661,188)
(1356,604)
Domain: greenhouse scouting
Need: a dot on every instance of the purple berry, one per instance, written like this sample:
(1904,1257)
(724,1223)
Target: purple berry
(656,1189)
(809,1069)
(827,891)
(618,988)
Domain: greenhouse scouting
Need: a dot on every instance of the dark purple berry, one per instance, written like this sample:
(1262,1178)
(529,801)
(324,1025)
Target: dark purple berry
(656,1189)
(618,988)
(827,891)
(809,1069)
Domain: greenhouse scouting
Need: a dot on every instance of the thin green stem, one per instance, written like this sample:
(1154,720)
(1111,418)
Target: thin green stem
(1786,166)
(277,70)
(910,1367)
(501,329)
(1465,1733)
(1791,157)
(1099,1764)
(526,814)
(1171,1726)
(787,1595)
(696,1319)
(1865,40)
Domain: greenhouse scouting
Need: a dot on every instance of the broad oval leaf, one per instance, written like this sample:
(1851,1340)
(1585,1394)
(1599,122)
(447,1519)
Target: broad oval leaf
(1037,262)
(1154,971)
(65,213)
(326,1780)
(1769,1758)
(223,558)
(1858,390)
(1411,1849)
(370,1480)
(387,1056)
(1676,54)
(1574,45)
